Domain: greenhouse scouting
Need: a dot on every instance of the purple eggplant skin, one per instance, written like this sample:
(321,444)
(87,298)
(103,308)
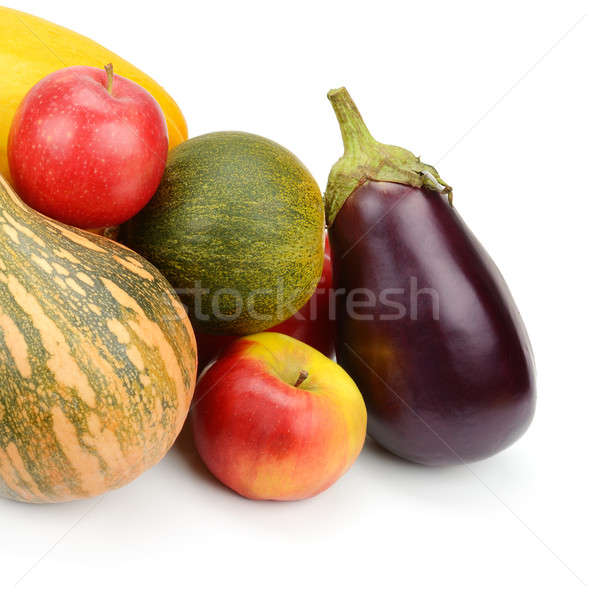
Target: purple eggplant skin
(445,388)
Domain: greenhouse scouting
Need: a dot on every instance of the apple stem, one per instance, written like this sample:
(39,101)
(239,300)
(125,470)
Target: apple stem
(301,378)
(109,77)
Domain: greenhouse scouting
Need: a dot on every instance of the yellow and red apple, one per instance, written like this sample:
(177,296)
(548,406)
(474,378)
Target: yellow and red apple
(275,419)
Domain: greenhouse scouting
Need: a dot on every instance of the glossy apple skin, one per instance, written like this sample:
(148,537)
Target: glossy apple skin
(84,156)
(267,439)
(438,391)
(312,324)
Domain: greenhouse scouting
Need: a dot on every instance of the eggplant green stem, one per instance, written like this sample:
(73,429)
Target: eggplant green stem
(366,159)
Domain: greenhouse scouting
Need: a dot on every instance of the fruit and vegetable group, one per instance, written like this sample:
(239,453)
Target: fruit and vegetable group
(443,359)
(236,226)
(274,419)
(87,147)
(31,48)
(97,360)
(100,344)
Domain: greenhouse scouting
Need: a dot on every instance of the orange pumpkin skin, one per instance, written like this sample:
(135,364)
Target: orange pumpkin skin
(97,360)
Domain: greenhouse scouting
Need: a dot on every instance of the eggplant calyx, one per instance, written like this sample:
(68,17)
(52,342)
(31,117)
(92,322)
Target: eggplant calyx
(366,159)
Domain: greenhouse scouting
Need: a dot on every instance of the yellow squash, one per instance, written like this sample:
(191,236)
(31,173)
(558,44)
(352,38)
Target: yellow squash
(31,48)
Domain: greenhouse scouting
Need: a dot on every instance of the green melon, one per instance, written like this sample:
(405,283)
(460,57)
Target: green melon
(236,226)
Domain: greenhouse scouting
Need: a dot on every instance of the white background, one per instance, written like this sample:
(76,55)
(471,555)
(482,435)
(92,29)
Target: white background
(503,99)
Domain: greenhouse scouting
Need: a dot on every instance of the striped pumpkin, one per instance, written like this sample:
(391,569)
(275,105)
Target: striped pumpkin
(97,360)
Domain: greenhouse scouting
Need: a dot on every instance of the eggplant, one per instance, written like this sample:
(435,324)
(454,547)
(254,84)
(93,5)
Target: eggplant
(426,325)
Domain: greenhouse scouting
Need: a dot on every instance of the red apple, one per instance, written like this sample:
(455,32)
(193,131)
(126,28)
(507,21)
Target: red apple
(312,324)
(274,419)
(87,148)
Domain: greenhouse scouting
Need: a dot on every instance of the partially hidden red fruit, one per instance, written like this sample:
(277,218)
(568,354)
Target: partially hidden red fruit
(274,419)
(84,154)
(313,324)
